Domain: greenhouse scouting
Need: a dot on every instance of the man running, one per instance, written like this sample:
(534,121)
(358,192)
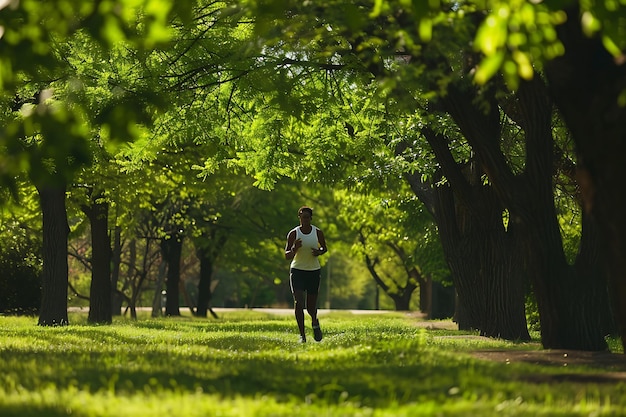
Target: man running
(305,243)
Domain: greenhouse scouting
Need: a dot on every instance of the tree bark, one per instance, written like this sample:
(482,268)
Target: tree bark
(572,321)
(208,248)
(204,284)
(586,83)
(530,199)
(480,252)
(157,298)
(171,249)
(55,269)
(100,291)
(482,257)
(116,258)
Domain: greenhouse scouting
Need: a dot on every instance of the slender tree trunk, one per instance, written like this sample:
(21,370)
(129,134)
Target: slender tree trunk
(182,288)
(55,269)
(204,285)
(116,258)
(100,290)
(426,297)
(402,299)
(171,249)
(130,274)
(157,298)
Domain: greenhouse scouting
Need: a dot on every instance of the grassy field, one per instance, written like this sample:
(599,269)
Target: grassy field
(250,364)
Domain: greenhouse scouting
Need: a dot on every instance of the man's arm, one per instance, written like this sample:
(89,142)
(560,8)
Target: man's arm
(292,245)
(322,241)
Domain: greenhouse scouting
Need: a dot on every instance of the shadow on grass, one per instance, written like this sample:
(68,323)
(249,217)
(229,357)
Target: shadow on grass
(371,362)
(370,375)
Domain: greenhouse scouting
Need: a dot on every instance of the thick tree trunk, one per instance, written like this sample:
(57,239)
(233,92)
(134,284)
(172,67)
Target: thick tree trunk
(55,269)
(529,198)
(485,268)
(489,284)
(590,266)
(570,304)
(100,291)
(171,249)
(568,314)
(586,83)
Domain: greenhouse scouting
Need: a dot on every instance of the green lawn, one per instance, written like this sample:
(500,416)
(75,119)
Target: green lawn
(250,364)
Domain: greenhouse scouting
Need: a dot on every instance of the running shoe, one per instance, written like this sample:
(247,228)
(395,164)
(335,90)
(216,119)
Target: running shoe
(317,333)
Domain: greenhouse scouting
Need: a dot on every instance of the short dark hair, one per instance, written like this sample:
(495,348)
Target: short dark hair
(305,208)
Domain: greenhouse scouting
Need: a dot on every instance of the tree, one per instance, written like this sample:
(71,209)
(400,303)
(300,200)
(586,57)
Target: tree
(100,307)
(371,127)
(590,97)
(439,73)
(396,238)
(51,132)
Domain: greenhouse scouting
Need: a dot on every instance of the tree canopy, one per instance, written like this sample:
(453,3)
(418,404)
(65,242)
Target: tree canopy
(169,114)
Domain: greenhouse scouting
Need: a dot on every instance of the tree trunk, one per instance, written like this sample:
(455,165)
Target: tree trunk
(55,269)
(116,258)
(402,299)
(204,285)
(590,266)
(130,278)
(485,267)
(568,302)
(530,199)
(480,252)
(586,83)
(426,297)
(100,291)
(171,249)
(575,313)
(157,298)
(569,316)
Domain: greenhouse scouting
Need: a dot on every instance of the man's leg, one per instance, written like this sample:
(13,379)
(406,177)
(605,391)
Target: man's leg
(311,308)
(298,298)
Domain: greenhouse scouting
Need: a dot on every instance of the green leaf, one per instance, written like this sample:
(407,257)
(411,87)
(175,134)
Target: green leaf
(426,29)
(488,67)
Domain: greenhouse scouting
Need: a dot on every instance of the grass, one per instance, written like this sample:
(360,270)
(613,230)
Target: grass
(250,364)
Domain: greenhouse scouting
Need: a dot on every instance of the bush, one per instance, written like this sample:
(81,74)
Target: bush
(20,282)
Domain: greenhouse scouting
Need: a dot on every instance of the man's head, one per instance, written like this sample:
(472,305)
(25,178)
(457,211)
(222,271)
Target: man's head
(305,214)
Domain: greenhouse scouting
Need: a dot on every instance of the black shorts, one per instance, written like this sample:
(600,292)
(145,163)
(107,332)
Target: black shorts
(308,281)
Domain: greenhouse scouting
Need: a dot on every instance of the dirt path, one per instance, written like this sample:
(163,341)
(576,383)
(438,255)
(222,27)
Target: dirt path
(604,367)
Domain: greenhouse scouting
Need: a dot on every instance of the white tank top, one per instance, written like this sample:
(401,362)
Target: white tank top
(304,259)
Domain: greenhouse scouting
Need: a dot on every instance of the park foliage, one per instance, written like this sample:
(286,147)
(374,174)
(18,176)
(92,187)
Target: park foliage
(442,140)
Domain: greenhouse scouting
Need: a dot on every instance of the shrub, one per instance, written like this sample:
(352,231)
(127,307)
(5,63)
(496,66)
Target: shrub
(20,282)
